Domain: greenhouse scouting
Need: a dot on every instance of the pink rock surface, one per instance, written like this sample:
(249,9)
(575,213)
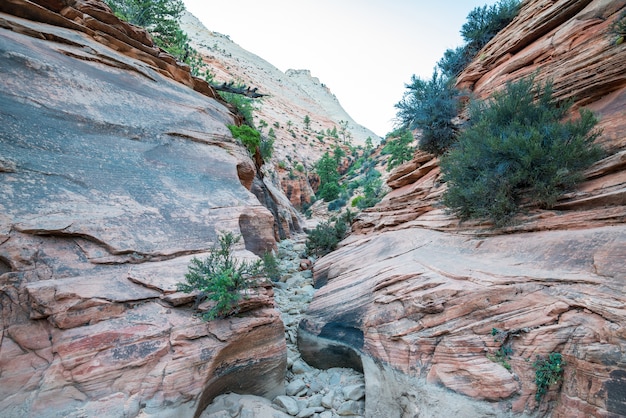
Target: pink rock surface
(425,302)
(117,167)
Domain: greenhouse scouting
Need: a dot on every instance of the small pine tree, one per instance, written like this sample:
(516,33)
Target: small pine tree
(220,278)
(400,150)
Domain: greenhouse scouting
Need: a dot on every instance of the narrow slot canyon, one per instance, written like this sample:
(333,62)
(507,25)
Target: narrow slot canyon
(309,392)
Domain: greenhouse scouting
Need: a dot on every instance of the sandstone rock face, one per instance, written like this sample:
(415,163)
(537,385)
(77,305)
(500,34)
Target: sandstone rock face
(116,167)
(419,314)
(571,44)
(426,302)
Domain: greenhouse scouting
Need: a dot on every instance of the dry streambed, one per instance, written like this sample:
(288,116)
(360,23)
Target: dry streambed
(309,392)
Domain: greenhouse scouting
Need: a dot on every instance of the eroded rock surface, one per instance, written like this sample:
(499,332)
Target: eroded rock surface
(426,303)
(309,392)
(116,167)
(417,295)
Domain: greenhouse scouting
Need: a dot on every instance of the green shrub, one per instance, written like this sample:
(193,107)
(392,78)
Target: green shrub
(337,204)
(220,278)
(161,18)
(248,136)
(356,200)
(243,104)
(270,266)
(325,237)
(517,150)
(548,372)
(454,61)
(619,28)
(502,354)
(372,190)
(430,106)
(399,149)
(266,146)
(482,24)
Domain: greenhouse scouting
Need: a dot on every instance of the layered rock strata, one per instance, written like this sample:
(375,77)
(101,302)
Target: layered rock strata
(570,44)
(309,392)
(466,307)
(116,168)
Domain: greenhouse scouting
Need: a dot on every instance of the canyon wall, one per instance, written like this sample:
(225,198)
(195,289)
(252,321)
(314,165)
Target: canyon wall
(116,168)
(467,307)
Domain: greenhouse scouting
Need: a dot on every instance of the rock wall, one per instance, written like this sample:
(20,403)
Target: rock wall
(569,43)
(421,311)
(116,168)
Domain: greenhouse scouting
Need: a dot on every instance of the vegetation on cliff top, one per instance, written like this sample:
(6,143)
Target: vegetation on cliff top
(516,150)
(161,18)
(430,105)
(482,24)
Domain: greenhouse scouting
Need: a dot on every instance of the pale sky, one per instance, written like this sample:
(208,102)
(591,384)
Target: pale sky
(365,51)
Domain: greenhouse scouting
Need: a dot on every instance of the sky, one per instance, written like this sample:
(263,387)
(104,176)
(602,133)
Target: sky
(364,51)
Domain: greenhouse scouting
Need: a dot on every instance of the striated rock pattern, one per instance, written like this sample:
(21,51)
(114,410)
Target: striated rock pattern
(419,315)
(570,43)
(114,173)
(426,302)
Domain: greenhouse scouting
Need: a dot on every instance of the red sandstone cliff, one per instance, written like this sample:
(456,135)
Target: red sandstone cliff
(419,313)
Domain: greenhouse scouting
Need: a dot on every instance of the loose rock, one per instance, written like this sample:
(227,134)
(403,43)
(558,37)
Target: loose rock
(310,392)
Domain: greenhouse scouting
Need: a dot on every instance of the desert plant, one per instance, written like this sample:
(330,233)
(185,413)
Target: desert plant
(372,190)
(270,266)
(518,149)
(430,105)
(619,28)
(266,146)
(248,136)
(243,104)
(220,278)
(548,372)
(355,202)
(161,18)
(454,61)
(481,25)
(502,354)
(326,235)
(399,149)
